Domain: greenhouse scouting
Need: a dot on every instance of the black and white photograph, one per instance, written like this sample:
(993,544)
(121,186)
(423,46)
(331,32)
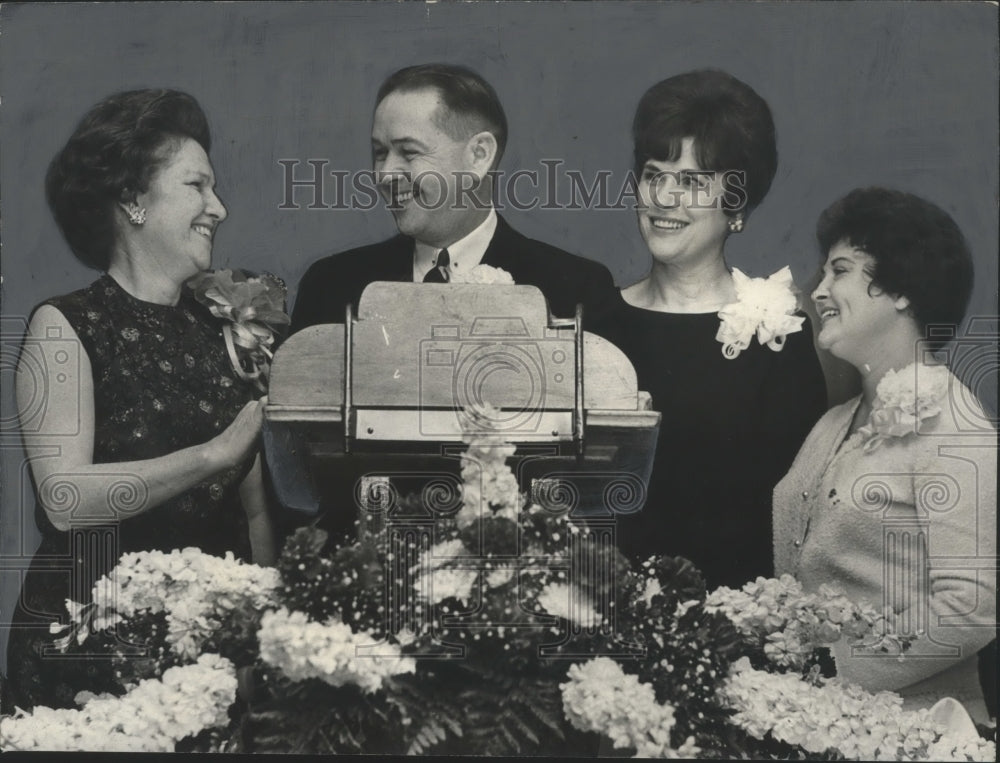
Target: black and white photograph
(525,379)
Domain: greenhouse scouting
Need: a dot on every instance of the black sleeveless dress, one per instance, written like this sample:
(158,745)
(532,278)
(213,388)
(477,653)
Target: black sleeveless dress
(730,429)
(162,382)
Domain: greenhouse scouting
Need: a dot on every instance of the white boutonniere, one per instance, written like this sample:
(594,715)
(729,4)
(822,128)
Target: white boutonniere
(765,307)
(482,274)
(254,307)
(904,401)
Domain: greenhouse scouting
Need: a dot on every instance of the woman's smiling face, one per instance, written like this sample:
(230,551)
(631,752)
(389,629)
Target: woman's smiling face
(681,215)
(854,313)
(182,212)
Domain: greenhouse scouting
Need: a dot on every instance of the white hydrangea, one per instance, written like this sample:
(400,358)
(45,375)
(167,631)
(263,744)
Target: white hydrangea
(601,697)
(790,623)
(839,716)
(152,717)
(194,588)
(304,649)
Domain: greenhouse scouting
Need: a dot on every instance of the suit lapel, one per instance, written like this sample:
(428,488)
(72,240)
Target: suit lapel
(503,247)
(398,265)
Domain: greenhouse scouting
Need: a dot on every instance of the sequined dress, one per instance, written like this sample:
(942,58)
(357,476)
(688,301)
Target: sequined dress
(162,382)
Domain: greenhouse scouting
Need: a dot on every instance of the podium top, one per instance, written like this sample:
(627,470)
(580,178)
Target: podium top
(448,345)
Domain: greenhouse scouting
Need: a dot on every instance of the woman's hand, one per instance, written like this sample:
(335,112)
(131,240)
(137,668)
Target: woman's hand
(239,439)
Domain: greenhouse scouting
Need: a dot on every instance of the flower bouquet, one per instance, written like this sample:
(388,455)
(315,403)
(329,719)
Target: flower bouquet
(476,623)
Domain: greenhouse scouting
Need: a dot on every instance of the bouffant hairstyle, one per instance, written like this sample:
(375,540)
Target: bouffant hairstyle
(730,123)
(917,249)
(110,157)
(472,105)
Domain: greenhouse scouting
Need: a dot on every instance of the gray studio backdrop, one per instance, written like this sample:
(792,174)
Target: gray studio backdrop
(900,94)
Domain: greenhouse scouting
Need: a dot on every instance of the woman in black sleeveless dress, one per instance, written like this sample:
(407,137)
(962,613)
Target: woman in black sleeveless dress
(139,432)
(727,360)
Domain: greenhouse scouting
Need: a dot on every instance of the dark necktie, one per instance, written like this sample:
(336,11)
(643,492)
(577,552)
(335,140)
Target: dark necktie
(439,273)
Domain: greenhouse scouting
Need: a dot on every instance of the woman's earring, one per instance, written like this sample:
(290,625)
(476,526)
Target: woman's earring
(736,224)
(136,214)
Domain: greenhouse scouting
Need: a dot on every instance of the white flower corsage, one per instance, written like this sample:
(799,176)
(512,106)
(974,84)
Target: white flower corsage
(482,274)
(904,400)
(765,307)
(254,307)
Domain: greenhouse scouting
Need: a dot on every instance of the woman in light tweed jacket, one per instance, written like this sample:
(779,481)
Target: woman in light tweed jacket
(893,494)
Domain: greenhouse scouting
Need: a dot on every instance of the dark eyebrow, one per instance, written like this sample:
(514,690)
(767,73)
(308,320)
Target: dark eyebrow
(842,258)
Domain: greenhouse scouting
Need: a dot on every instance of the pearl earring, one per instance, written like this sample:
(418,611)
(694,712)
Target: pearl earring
(736,224)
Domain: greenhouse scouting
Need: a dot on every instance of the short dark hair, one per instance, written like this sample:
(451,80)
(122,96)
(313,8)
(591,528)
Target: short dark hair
(730,123)
(472,103)
(110,157)
(918,250)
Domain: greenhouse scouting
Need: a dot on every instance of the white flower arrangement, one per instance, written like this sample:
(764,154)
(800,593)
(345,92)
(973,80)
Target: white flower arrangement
(194,588)
(793,624)
(837,716)
(303,649)
(482,274)
(447,583)
(765,307)
(601,697)
(151,717)
(904,401)
(570,603)
(489,486)
(489,490)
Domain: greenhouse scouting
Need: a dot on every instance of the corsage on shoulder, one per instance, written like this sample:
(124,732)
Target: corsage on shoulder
(765,307)
(254,307)
(904,401)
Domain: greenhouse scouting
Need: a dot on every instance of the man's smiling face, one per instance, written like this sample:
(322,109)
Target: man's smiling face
(418,166)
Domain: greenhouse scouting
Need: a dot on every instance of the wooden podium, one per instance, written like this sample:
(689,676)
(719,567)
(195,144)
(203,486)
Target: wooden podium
(364,412)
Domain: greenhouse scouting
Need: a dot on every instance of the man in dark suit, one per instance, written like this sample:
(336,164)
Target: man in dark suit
(437,132)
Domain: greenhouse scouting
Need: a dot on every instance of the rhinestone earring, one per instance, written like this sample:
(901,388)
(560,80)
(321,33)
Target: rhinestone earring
(736,224)
(136,214)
